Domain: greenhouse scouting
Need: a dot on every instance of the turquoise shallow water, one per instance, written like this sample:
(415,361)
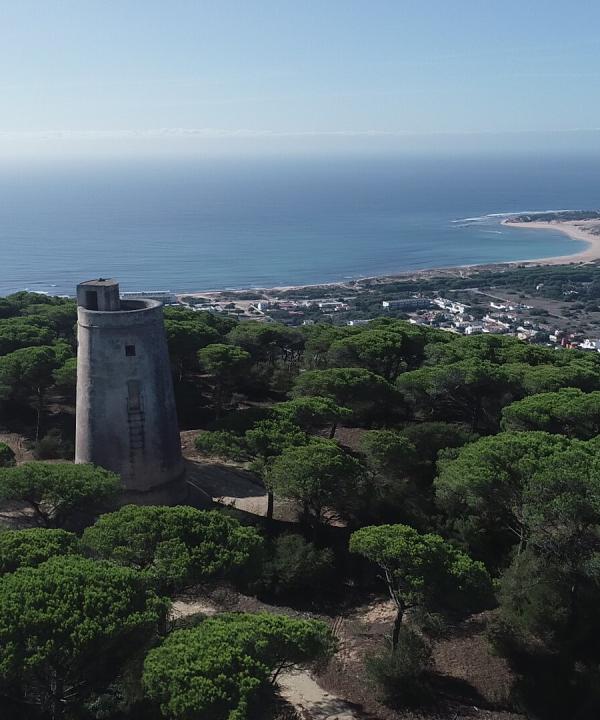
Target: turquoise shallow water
(209,224)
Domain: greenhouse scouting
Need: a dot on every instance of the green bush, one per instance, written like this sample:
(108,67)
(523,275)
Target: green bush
(53,447)
(7,456)
(175,546)
(33,546)
(69,626)
(297,566)
(218,669)
(506,638)
(58,494)
(219,443)
(241,420)
(400,676)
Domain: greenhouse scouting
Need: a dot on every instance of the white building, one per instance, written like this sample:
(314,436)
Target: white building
(589,344)
(333,305)
(495,321)
(166,297)
(473,330)
(526,333)
(413,303)
(450,305)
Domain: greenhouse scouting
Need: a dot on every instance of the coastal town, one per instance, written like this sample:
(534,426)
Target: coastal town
(497,316)
(554,301)
(541,302)
(544,302)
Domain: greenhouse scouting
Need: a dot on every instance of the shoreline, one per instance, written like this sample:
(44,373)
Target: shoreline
(587,231)
(576,230)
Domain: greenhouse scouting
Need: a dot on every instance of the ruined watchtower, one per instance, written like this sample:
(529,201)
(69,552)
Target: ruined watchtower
(126,419)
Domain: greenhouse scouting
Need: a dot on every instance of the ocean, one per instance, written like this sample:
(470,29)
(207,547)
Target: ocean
(215,223)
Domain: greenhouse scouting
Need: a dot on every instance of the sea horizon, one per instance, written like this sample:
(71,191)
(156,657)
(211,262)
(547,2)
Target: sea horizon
(215,224)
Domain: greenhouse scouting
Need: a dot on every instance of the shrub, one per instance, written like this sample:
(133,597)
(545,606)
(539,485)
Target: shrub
(220,443)
(33,546)
(7,456)
(400,676)
(176,546)
(53,447)
(241,420)
(506,638)
(297,566)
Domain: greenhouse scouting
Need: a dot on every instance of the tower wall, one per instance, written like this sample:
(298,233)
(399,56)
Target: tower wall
(126,417)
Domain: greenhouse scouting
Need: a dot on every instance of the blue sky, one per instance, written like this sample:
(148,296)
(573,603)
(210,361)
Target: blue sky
(178,75)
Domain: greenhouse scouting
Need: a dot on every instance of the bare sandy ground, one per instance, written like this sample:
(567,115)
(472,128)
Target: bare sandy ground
(310,700)
(586,230)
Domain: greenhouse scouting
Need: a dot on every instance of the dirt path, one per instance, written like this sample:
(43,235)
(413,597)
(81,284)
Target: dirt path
(310,700)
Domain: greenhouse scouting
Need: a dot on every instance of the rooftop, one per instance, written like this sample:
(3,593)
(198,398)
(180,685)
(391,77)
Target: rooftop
(104,282)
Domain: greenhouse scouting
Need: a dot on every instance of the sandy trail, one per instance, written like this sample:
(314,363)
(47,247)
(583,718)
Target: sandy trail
(310,700)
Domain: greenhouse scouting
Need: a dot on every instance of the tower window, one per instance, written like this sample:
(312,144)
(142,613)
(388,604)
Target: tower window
(130,350)
(91,299)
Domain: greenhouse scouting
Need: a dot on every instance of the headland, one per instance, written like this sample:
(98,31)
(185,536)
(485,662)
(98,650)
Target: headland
(578,225)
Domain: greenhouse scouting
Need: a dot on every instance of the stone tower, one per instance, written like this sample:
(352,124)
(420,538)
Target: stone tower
(126,419)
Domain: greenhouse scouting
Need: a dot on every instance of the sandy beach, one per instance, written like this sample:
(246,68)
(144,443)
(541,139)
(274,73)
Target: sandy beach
(586,230)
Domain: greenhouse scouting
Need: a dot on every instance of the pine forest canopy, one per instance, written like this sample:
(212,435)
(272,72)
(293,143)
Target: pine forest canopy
(453,474)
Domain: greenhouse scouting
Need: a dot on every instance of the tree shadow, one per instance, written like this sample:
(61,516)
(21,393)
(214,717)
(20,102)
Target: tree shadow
(457,690)
(222,480)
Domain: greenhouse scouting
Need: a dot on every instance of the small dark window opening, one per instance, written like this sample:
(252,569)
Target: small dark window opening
(91,299)
(130,350)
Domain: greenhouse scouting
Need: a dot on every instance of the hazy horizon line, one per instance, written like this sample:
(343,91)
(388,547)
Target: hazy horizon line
(158,133)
